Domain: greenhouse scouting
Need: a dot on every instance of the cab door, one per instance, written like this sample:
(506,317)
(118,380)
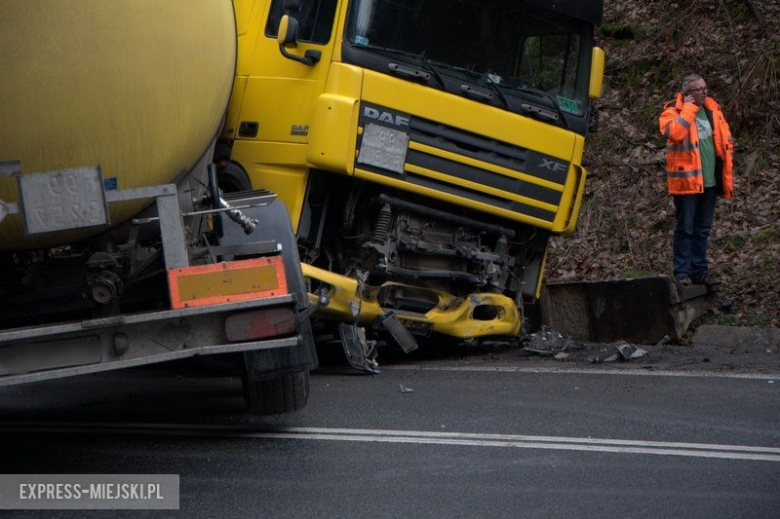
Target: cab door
(274,96)
(280,93)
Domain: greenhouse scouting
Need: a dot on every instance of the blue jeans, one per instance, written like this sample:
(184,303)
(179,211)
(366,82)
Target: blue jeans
(694,214)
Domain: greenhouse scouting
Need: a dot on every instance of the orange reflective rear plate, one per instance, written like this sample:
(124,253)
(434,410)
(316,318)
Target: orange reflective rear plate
(230,281)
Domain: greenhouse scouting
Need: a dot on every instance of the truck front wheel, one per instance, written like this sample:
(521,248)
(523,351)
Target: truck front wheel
(282,394)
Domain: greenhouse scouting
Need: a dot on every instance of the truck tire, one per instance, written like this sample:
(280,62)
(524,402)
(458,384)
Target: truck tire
(283,394)
(233,179)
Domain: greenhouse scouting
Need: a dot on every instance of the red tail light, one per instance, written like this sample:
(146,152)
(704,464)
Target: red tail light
(260,324)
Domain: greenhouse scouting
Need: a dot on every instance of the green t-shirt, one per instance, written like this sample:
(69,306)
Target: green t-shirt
(706,147)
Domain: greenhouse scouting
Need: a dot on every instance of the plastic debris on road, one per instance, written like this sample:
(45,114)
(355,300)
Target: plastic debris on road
(547,342)
(622,352)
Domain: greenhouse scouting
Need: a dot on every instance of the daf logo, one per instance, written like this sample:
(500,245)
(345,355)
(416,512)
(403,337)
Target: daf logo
(552,165)
(385,117)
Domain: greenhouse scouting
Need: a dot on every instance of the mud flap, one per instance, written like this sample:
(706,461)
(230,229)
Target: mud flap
(361,354)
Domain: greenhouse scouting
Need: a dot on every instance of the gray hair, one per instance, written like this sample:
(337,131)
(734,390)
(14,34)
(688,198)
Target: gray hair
(687,80)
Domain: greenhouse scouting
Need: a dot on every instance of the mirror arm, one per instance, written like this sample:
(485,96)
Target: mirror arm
(310,57)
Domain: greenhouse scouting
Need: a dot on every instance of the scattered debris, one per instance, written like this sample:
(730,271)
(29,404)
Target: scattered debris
(405,389)
(361,353)
(621,351)
(629,351)
(547,342)
(402,336)
(610,357)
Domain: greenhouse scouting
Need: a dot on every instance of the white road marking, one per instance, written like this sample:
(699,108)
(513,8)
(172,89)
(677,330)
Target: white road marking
(584,371)
(685,449)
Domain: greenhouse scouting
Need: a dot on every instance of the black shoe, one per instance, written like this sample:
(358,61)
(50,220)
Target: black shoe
(708,280)
(684,281)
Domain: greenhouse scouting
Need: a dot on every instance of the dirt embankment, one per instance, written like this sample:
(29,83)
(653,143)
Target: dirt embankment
(627,218)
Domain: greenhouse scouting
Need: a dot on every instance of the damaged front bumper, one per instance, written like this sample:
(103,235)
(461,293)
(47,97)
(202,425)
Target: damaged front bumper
(474,316)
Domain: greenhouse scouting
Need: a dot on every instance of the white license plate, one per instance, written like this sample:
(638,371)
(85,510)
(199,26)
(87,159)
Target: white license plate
(63,199)
(383,147)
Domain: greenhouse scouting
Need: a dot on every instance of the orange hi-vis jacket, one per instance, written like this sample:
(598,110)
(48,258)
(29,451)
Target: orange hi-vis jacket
(683,158)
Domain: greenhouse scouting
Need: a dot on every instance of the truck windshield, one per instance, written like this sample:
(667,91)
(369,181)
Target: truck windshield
(515,47)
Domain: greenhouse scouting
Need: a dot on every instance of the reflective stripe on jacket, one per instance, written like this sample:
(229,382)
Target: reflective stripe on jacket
(683,158)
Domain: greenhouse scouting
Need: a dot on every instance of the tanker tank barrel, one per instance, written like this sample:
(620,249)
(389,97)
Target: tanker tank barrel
(147,123)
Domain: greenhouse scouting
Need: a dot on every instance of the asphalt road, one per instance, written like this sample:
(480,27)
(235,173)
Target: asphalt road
(433,440)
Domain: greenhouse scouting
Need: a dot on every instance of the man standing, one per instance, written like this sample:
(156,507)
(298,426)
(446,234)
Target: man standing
(698,169)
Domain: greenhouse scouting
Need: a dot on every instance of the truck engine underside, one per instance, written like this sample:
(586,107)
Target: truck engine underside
(438,267)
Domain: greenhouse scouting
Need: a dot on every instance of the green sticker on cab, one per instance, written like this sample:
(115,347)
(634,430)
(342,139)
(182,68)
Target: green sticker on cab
(568,105)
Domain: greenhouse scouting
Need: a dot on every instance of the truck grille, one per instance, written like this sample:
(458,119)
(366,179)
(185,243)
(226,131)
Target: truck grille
(473,167)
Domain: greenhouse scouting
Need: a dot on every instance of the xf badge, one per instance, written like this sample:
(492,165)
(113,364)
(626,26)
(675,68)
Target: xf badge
(552,165)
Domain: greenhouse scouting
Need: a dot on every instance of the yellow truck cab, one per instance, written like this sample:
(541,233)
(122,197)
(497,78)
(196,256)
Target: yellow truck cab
(425,149)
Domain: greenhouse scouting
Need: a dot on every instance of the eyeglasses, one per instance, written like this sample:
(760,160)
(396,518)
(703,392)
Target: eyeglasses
(702,89)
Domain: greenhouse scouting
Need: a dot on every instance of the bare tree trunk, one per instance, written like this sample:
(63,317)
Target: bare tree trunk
(754,11)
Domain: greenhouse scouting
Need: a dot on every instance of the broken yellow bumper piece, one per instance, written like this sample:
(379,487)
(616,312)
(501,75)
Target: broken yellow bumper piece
(470,317)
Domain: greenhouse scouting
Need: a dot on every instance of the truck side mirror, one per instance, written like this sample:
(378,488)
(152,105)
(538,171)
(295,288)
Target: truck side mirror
(287,36)
(288,31)
(596,73)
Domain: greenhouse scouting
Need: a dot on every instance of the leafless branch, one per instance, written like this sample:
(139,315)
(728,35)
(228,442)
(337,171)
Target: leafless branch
(755,12)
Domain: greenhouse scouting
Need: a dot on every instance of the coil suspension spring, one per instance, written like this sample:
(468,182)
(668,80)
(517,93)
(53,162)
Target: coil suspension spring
(382,229)
(502,248)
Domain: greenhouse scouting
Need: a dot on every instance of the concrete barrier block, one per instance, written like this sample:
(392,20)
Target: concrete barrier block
(640,310)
